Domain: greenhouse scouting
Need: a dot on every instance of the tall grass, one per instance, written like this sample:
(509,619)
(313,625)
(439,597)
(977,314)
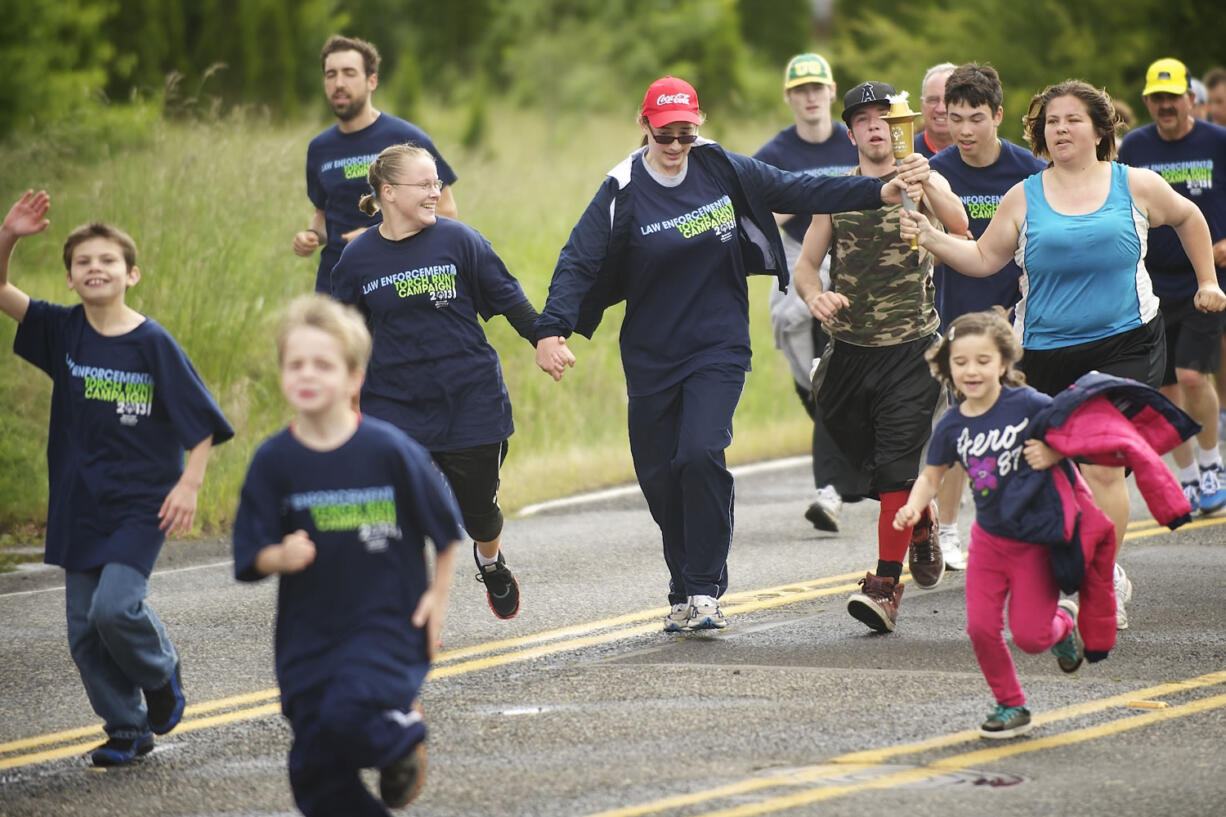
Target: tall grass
(213,206)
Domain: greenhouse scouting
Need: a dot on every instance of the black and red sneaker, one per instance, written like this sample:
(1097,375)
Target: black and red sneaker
(501,589)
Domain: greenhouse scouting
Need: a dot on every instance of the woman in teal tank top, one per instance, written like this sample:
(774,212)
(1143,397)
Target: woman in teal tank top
(1076,229)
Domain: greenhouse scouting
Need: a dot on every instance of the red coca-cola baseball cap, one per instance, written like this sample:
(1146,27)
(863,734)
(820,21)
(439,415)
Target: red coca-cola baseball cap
(669,99)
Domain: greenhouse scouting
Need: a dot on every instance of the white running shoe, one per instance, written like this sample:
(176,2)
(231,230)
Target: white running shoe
(705,614)
(1123,595)
(823,513)
(951,548)
(678,618)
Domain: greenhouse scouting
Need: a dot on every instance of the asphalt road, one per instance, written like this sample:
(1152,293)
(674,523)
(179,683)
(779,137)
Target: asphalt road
(581,706)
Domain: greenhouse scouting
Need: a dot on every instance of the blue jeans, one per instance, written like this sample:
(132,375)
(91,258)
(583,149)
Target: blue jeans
(119,645)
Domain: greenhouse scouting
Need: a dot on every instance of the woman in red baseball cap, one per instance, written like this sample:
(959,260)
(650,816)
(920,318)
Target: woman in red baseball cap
(674,230)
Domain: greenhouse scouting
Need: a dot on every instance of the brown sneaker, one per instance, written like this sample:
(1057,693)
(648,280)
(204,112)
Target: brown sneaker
(876,604)
(924,558)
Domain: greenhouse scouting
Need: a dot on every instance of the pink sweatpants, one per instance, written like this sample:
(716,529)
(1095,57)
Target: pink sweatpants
(1000,568)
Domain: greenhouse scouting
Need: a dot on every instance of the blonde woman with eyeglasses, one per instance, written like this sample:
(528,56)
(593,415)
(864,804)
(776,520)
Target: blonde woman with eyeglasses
(422,281)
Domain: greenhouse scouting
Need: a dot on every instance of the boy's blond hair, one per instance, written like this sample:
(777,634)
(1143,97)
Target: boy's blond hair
(100,229)
(336,319)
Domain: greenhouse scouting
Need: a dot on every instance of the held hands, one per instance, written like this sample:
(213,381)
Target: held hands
(1039,455)
(553,356)
(306,242)
(907,516)
(1210,298)
(28,215)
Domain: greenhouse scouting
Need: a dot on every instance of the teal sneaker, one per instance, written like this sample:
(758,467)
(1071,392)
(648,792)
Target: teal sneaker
(1069,651)
(1006,722)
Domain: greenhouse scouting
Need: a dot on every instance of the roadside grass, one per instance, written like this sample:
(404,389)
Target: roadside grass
(212,206)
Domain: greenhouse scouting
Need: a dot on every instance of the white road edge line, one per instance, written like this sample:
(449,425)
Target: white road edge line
(527,510)
(227,563)
(628,490)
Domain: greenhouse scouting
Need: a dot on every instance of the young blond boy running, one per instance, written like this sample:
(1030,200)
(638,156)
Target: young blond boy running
(125,405)
(340,505)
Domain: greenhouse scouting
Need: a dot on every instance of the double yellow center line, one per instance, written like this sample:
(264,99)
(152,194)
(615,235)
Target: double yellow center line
(488,655)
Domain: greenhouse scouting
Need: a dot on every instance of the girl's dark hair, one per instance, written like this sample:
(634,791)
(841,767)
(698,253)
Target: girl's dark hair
(994,324)
(387,166)
(1098,104)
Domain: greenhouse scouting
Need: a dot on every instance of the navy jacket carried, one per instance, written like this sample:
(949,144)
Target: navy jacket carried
(590,276)
(1102,420)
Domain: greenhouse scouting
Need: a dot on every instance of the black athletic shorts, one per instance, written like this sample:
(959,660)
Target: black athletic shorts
(1138,353)
(473,475)
(1193,338)
(877,404)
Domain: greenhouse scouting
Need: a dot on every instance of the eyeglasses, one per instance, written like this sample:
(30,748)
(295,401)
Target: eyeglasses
(425,187)
(668,138)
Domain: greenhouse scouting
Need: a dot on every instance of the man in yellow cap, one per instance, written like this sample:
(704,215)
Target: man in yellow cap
(818,145)
(1191,155)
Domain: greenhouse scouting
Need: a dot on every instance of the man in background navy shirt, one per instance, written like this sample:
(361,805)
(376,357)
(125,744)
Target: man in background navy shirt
(338,158)
(1191,155)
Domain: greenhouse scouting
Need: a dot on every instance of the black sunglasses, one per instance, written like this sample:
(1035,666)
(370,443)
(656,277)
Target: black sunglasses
(668,139)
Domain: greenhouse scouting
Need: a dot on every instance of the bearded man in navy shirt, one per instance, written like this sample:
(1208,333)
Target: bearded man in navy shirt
(338,159)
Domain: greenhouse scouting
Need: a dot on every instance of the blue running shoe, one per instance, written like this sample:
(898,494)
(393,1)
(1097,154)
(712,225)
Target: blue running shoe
(1212,489)
(1192,491)
(122,751)
(165,704)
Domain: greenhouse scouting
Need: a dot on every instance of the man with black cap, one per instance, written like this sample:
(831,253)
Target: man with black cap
(1191,155)
(875,392)
(817,145)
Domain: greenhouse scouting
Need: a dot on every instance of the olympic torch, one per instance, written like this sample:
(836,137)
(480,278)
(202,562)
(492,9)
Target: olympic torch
(902,135)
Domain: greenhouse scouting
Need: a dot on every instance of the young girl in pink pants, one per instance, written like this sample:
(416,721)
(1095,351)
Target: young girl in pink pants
(987,433)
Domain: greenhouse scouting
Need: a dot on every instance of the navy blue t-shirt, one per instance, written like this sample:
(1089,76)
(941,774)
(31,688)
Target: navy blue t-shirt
(989,447)
(368,506)
(1196,167)
(787,151)
(687,302)
(432,372)
(920,144)
(124,410)
(336,167)
(980,189)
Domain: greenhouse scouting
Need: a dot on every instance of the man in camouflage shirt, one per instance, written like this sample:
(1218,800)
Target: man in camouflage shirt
(875,393)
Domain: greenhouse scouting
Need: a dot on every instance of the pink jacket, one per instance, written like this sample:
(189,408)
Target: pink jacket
(1097,432)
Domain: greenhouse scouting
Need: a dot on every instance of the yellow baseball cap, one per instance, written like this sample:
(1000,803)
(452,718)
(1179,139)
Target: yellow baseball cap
(805,68)
(1166,76)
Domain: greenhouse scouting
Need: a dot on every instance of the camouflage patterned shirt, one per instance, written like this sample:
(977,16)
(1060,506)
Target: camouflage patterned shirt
(889,285)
